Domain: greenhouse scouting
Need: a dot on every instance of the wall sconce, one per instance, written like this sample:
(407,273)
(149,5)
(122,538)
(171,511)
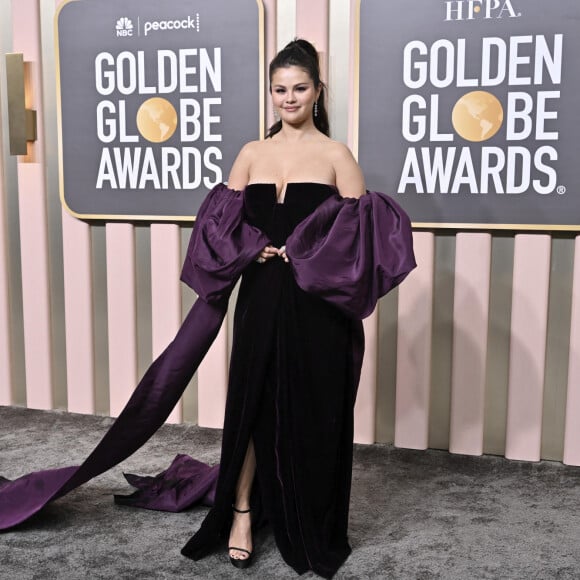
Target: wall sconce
(21,121)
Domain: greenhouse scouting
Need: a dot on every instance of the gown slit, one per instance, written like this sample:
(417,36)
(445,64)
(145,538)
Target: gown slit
(290,390)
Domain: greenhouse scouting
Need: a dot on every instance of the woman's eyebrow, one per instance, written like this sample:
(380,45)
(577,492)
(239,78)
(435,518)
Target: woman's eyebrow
(305,83)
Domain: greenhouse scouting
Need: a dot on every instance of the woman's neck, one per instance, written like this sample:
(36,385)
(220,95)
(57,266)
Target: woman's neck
(297,133)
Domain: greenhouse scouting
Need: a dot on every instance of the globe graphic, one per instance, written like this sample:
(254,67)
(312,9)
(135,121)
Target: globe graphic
(477,116)
(156,120)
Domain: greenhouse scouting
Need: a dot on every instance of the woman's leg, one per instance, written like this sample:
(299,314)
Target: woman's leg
(241,531)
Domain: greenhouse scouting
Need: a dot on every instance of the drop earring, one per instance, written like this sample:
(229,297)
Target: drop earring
(276,115)
(316,108)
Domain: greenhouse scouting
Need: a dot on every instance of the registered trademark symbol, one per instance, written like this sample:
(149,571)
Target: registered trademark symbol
(561,189)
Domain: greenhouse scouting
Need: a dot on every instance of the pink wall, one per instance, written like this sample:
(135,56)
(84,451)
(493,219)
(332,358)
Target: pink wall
(473,285)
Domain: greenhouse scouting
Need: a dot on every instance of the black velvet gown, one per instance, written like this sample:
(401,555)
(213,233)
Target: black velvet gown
(295,366)
(293,381)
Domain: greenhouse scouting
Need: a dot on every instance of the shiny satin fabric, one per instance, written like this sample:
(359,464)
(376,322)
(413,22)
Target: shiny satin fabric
(349,252)
(219,223)
(353,251)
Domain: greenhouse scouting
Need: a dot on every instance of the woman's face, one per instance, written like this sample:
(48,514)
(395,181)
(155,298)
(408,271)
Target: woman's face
(293,94)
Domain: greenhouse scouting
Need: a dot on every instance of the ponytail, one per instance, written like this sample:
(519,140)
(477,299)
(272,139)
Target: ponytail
(301,53)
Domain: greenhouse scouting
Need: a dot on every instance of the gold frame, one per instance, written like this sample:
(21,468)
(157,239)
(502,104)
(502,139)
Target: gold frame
(434,225)
(143,218)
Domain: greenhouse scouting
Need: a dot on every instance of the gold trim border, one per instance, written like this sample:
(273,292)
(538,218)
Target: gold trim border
(434,225)
(356,82)
(142,218)
(262,64)
(506,227)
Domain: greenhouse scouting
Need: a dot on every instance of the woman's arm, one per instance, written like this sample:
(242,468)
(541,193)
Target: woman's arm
(240,172)
(349,178)
(238,179)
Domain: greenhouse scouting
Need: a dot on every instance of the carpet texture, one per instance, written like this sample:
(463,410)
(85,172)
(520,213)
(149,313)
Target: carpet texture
(414,514)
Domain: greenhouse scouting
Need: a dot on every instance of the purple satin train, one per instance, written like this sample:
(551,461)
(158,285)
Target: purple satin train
(350,252)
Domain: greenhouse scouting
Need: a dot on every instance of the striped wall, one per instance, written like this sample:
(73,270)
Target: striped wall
(478,352)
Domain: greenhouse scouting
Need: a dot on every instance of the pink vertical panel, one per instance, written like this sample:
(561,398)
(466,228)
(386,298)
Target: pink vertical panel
(212,382)
(270,48)
(78,303)
(366,399)
(572,433)
(353,67)
(470,323)
(122,314)
(414,329)
(312,24)
(365,409)
(35,285)
(5,349)
(33,220)
(165,291)
(528,346)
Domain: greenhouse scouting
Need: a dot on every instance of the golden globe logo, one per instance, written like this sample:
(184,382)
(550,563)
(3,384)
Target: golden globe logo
(485,9)
(524,159)
(477,116)
(157,120)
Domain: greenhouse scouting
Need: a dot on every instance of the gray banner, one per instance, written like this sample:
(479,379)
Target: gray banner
(469,111)
(156,100)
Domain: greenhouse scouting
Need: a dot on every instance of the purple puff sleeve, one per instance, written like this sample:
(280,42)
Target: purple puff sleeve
(221,246)
(353,251)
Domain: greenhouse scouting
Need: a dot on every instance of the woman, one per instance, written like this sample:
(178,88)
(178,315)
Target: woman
(292,388)
(287,445)
(315,255)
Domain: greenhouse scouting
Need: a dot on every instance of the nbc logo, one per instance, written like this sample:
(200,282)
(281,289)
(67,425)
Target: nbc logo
(124,27)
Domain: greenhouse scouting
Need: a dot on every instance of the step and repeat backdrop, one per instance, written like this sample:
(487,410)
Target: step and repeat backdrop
(466,112)
(468,109)
(156,99)
(469,112)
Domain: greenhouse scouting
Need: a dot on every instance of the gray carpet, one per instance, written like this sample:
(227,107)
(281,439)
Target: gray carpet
(414,515)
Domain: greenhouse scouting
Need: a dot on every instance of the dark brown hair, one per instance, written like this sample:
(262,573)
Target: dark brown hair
(301,53)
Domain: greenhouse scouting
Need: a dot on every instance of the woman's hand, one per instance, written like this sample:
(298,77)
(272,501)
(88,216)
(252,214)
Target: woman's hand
(282,254)
(267,253)
(271,252)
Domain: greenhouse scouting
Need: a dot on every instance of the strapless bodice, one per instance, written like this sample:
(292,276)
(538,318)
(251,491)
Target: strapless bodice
(278,220)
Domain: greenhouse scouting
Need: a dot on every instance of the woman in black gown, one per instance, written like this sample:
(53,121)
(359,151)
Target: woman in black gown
(293,381)
(315,255)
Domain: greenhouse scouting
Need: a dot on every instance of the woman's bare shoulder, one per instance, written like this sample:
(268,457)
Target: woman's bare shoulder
(240,171)
(255,150)
(250,149)
(338,150)
(349,178)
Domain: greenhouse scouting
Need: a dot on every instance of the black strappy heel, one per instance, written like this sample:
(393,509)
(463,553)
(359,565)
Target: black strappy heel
(241,562)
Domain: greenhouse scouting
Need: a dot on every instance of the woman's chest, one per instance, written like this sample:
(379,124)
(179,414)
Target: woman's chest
(280,165)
